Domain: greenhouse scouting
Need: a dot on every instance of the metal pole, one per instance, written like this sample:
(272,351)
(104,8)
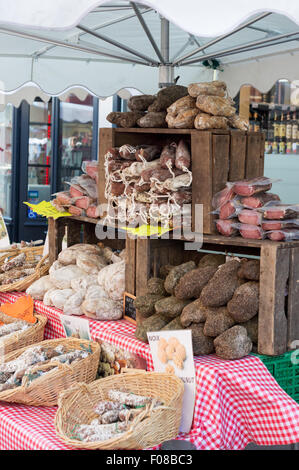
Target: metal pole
(262,42)
(220,38)
(147,32)
(165,71)
(117,44)
(90,50)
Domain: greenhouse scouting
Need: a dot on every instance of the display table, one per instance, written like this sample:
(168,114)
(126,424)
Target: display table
(237,402)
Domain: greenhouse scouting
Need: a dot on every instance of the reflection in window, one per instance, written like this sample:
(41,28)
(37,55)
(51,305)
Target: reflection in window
(5,160)
(76,128)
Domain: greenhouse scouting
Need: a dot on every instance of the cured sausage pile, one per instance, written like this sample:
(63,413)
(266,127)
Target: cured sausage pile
(148,182)
(217,300)
(247,208)
(81,198)
(203,106)
(85,280)
(207,106)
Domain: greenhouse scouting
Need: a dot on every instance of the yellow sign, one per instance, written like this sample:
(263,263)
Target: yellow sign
(147,230)
(46,209)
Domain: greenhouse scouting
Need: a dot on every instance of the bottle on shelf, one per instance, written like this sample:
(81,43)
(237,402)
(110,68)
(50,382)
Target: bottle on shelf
(276,134)
(289,143)
(294,133)
(257,123)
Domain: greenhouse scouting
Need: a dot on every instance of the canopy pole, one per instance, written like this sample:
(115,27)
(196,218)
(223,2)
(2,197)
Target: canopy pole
(165,71)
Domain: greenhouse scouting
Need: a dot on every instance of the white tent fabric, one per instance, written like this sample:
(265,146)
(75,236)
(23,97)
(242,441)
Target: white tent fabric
(198,17)
(44,51)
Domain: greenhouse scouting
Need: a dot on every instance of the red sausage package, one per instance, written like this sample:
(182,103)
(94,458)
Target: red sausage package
(268,225)
(223,197)
(258,200)
(253,186)
(250,231)
(226,228)
(277,211)
(229,210)
(250,216)
(285,235)
(91,168)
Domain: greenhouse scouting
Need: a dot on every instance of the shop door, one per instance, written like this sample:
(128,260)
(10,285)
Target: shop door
(35,167)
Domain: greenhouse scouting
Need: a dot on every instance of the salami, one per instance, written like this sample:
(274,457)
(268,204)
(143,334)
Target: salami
(77,191)
(129,399)
(147,153)
(250,216)
(222,197)
(250,231)
(284,235)
(259,200)
(76,211)
(182,156)
(84,202)
(230,209)
(117,189)
(226,228)
(182,196)
(280,224)
(127,152)
(167,157)
(253,186)
(280,211)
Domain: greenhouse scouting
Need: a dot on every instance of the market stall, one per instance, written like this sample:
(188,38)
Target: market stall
(173,150)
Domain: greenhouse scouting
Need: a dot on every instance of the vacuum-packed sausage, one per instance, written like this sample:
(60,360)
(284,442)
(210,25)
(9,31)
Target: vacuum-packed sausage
(252,186)
(182,156)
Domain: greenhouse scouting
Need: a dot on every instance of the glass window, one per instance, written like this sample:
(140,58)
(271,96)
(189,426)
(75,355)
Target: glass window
(5,160)
(39,154)
(76,128)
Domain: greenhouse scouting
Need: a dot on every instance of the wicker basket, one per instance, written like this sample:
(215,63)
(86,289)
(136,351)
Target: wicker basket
(20,339)
(76,407)
(44,390)
(41,269)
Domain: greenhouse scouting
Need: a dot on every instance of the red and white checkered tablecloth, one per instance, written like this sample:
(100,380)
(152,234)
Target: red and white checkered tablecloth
(237,402)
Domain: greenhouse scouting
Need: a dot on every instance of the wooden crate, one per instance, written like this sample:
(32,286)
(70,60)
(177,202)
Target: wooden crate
(77,230)
(279,271)
(217,157)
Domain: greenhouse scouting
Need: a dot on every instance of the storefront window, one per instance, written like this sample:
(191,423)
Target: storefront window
(76,128)
(5,160)
(39,154)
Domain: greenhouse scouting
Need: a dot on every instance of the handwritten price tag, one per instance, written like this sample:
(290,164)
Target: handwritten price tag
(46,209)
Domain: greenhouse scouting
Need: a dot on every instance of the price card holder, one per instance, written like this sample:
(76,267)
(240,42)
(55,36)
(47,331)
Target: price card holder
(129,309)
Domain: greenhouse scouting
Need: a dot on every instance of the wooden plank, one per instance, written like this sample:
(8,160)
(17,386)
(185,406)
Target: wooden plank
(244,105)
(293,298)
(202,183)
(237,158)
(139,130)
(56,229)
(89,235)
(253,155)
(73,232)
(274,273)
(220,146)
(106,140)
(143,264)
(262,154)
(130,275)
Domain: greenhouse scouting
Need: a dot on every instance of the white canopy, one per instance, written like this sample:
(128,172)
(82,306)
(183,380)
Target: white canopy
(104,47)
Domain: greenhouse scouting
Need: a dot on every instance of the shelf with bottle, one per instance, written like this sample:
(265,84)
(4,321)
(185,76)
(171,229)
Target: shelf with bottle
(281,129)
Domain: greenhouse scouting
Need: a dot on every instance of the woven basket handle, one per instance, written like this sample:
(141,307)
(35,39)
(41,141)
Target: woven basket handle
(128,370)
(41,262)
(65,394)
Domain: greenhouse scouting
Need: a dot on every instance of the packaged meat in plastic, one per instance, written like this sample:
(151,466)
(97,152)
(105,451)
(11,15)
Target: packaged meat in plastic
(76,211)
(250,231)
(205,121)
(259,200)
(285,235)
(88,184)
(76,191)
(84,202)
(167,157)
(226,227)
(219,199)
(127,152)
(229,210)
(215,88)
(238,123)
(185,119)
(94,211)
(58,205)
(182,156)
(64,198)
(91,168)
(276,211)
(216,105)
(252,186)
(280,224)
(250,216)
(182,104)
(147,153)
